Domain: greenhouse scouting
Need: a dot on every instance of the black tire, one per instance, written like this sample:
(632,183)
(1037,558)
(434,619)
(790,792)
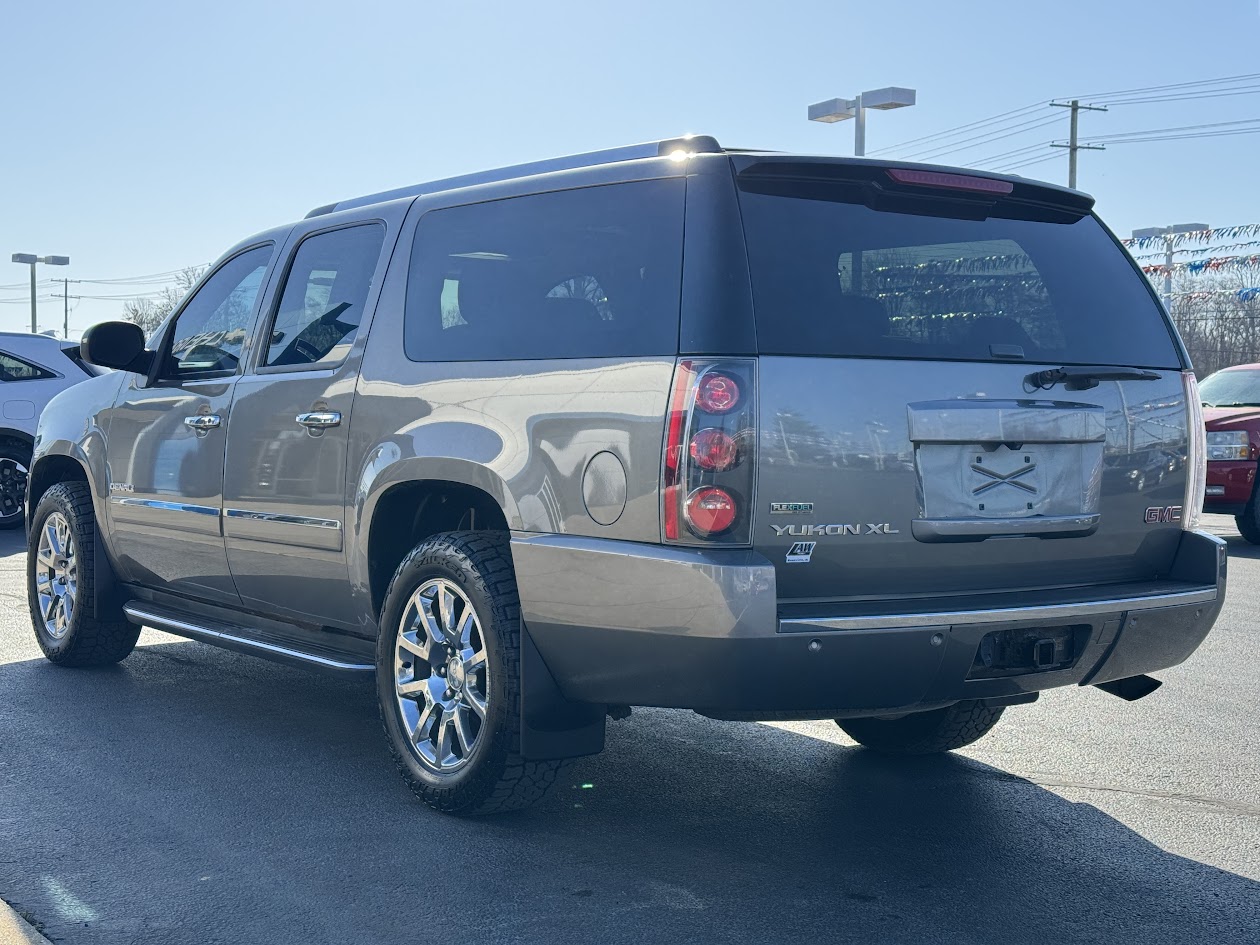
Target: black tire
(1249,522)
(493,777)
(15,463)
(91,637)
(924,733)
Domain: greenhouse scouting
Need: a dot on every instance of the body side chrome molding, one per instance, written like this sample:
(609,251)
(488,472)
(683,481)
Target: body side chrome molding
(1004,615)
(218,638)
(281,519)
(160,504)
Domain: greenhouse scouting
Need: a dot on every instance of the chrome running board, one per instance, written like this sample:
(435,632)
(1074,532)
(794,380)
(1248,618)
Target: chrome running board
(149,616)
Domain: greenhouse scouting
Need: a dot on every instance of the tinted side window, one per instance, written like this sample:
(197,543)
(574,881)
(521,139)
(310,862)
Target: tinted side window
(322,303)
(15,369)
(212,329)
(594,272)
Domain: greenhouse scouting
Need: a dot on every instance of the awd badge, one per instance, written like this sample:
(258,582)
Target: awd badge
(801,552)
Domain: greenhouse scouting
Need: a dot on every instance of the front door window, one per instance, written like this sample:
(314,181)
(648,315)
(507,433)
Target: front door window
(210,334)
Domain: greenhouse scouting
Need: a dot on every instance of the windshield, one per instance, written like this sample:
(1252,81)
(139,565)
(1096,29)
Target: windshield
(1232,389)
(833,277)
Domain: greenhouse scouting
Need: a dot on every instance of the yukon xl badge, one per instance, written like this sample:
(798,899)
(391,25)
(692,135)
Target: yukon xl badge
(782,508)
(801,552)
(860,528)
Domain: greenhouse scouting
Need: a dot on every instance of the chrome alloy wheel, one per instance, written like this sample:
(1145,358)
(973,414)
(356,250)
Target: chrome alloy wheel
(56,575)
(441,678)
(12,487)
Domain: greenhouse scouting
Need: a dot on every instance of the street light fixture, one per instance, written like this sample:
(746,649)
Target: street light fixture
(839,109)
(1168,232)
(31,260)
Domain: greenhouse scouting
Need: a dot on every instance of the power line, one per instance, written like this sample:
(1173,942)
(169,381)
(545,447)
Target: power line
(952,132)
(1155,131)
(1028,163)
(1007,155)
(1207,134)
(965,145)
(153,278)
(1175,85)
(1223,93)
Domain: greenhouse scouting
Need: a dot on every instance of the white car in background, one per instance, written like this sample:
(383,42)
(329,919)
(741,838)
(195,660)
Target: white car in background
(33,369)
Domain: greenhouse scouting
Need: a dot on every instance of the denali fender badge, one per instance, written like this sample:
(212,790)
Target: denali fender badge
(783,508)
(868,528)
(801,552)
(1156,515)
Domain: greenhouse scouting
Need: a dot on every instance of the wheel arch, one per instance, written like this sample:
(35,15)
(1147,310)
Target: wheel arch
(407,512)
(17,437)
(48,469)
(71,465)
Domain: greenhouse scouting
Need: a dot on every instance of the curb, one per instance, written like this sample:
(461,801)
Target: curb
(14,931)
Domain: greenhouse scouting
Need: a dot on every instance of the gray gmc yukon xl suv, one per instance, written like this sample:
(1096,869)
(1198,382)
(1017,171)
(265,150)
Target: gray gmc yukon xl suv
(759,435)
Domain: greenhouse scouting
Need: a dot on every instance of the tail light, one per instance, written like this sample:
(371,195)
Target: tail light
(710,443)
(1196,461)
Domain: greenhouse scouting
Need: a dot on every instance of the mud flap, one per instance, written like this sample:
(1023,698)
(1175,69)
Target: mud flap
(551,725)
(107,597)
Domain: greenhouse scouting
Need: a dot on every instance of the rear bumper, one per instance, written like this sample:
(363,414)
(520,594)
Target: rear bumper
(623,623)
(1230,484)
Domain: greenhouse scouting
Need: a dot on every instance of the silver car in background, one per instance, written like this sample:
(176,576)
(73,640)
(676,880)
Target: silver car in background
(33,370)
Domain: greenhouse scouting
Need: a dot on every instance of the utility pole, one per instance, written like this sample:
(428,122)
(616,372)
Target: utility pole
(1073,144)
(1169,234)
(67,296)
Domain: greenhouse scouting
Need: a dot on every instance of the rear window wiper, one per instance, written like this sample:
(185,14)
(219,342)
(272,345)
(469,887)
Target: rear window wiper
(1084,377)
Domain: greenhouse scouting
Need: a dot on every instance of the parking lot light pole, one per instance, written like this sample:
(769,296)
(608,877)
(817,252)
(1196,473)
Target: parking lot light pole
(1168,232)
(839,109)
(32,260)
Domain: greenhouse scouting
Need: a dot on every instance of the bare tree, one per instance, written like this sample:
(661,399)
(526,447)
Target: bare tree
(149,313)
(1218,316)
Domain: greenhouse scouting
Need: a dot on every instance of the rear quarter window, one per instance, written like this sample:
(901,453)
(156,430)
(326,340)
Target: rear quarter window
(13,368)
(833,277)
(587,273)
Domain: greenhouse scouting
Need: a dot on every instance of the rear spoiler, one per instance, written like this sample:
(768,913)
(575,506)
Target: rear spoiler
(918,188)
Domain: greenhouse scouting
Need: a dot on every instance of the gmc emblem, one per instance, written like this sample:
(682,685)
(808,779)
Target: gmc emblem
(1169,513)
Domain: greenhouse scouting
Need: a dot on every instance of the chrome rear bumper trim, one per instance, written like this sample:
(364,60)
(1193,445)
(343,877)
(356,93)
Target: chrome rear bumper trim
(1046,612)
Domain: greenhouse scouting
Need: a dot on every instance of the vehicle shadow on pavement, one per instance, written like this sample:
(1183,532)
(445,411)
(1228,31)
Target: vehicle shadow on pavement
(1240,548)
(194,795)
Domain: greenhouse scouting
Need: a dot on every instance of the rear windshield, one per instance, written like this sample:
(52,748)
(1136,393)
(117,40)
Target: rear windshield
(836,278)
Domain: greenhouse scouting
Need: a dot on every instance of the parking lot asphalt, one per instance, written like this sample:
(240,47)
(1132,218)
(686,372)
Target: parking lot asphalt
(191,795)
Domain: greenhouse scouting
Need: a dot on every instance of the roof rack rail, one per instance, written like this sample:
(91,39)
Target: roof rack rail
(688,144)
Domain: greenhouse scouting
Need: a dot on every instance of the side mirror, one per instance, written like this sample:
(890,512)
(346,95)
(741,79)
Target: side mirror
(118,345)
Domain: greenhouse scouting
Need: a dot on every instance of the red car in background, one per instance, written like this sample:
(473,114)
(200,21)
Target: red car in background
(1231,407)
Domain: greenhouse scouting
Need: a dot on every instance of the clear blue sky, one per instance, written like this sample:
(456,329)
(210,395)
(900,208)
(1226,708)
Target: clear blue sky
(141,137)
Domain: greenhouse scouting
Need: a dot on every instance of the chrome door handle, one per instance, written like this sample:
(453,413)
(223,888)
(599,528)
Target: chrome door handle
(320,419)
(203,422)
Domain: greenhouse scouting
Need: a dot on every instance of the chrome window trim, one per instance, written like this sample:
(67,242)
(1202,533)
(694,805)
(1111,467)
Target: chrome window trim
(1047,612)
